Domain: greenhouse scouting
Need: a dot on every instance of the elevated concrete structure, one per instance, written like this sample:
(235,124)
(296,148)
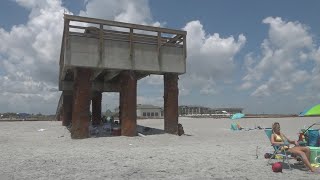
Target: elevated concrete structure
(110,56)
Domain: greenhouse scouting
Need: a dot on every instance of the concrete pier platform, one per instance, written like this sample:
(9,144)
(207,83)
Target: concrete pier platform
(110,56)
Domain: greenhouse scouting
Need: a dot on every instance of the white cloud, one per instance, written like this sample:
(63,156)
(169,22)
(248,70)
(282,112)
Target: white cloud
(316,55)
(153,80)
(208,90)
(29,53)
(157,101)
(29,58)
(245,86)
(282,65)
(210,59)
(262,90)
(33,4)
(109,101)
(43,102)
(288,35)
(182,90)
(137,11)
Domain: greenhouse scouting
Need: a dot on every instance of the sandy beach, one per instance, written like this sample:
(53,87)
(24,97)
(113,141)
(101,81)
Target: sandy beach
(210,151)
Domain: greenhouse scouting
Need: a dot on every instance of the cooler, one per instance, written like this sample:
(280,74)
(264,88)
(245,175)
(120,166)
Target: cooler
(313,137)
(315,151)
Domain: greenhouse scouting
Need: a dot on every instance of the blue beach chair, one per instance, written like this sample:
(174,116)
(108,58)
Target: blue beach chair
(278,150)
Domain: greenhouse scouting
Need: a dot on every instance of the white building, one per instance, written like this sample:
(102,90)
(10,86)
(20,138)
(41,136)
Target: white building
(149,111)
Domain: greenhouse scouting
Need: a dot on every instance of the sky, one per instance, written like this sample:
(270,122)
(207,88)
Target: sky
(262,56)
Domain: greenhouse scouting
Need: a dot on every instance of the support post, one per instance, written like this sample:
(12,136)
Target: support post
(67,109)
(128,103)
(96,108)
(81,105)
(171,93)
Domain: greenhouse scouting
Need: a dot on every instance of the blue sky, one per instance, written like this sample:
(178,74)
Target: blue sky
(263,56)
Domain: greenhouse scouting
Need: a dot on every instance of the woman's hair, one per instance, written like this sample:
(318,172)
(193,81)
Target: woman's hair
(275,126)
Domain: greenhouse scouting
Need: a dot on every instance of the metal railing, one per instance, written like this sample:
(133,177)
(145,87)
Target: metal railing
(120,31)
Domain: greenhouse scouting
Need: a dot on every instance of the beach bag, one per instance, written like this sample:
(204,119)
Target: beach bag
(277,167)
(313,136)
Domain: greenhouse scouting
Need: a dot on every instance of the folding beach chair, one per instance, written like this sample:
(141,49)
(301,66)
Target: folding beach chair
(278,150)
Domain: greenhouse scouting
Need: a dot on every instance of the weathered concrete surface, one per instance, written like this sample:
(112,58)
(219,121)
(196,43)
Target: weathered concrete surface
(128,106)
(171,93)
(67,109)
(96,86)
(83,51)
(81,106)
(96,108)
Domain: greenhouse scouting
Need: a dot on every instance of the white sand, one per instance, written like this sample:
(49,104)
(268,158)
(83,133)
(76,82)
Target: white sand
(211,152)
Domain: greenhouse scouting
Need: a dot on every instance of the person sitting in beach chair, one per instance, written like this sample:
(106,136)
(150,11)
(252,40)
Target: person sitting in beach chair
(282,144)
(239,127)
(236,126)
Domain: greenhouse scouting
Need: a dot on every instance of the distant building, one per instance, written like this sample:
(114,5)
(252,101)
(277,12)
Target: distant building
(200,110)
(229,110)
(23,115)
(149,111)
(194,110)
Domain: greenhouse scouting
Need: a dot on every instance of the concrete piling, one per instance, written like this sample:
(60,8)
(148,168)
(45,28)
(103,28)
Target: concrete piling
(81,105)
(96,108)
(171,93)
(128,106)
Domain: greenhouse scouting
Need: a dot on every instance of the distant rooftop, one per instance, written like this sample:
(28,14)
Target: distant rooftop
(146,106)
(223,108)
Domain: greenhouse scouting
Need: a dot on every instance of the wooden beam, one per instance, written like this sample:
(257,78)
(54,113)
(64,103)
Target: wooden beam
(96,73)
(131,49)
(110,75)
(111,33)
(77,27)
(101,45)
(174,39)
(141,75)
(159,51)
(124,38)
(111,87)
(185,46)
(122,24)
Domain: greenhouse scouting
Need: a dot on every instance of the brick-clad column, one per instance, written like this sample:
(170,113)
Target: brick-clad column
(96,108)
(128,103)
(67,109)
(81,105)
(171,93)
